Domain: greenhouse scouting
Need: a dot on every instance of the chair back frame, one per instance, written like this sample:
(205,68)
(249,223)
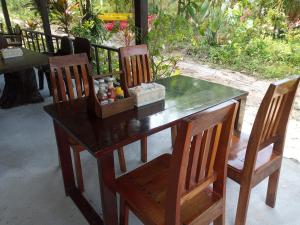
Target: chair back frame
(135,65)
(271,122)
(200,157)
(63,70)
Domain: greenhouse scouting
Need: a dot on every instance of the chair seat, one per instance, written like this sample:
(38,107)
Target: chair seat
(238,153)
(144,190)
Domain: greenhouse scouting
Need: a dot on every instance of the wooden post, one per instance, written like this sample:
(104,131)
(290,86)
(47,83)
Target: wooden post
(6,16)
(141,20)
(44,12)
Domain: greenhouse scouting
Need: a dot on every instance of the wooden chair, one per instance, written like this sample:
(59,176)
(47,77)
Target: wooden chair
(136,70)
(189,186)
(254,158)
(82,45)
(63,70)
(66,48)
(3,42)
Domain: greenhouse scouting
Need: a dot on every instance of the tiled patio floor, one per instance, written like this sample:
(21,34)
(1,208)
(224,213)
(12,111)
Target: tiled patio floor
(31,189)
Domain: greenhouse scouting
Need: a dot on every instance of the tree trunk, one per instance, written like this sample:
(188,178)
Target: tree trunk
(179,7)
(20,88)
(6,16)
(44,12)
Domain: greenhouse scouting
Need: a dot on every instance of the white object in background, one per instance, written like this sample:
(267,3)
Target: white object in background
(147,93)
(11,52)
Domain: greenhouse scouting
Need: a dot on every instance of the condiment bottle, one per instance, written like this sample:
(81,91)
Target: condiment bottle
(111,92)
(119,93)
(110,82)
(102,89)
(104,99)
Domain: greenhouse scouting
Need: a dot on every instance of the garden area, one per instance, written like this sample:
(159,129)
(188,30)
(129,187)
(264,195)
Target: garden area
(96,133)
(259,37)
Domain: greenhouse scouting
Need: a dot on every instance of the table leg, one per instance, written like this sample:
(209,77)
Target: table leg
(240,114)
(106,172)
(20,88)
(64,153)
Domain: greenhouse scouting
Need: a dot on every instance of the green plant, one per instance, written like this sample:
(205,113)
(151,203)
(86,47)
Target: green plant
(62,13)
(166,34)
(31,24)
(92,29)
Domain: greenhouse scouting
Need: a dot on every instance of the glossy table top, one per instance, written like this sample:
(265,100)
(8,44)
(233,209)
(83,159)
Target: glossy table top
(184,97)
(28,60)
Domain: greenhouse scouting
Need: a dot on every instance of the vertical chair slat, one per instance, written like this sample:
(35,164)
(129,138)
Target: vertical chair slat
(274,116)
(69,84)
(279,115)
(84,79)
(267,119)
(204,153)
(139,70)
(134,70)
(193,159)
(128,72)
(77,82)
(148,66)
(54,85)
(214,148)
(61,86)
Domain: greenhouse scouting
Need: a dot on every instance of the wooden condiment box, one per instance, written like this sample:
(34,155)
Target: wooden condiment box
(104,111)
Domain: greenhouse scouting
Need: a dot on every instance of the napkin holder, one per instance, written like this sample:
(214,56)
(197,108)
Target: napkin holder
(8,53)
(148,93)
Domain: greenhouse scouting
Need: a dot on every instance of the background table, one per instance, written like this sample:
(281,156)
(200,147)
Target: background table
(184,97)
(20,81)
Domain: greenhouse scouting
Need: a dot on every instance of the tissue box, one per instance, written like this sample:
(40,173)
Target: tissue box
(147,93)
(11,52)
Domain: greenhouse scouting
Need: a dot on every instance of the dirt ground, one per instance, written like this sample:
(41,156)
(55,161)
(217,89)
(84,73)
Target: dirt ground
(257,89)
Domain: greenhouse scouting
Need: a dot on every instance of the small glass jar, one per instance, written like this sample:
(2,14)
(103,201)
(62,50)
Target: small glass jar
(111,93)
(110,83)
(102,86)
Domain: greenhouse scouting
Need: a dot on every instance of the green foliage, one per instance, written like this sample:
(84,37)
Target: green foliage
(253,36)
(166,34)
(62,13)
(91,29)
(236,37)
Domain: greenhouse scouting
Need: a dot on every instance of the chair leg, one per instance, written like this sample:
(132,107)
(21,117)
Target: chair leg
(243,203)
(220,220)
(78,169)
(122,160)
(272,188)
(173,135)
(41,79)
(124,212)
(48,82)
(144,149)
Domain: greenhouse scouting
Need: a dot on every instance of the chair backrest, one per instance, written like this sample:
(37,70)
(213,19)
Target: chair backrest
(3,42)
(63,69)
(82,45)
(200,156)
(135,65)
(65,47)
(271,120)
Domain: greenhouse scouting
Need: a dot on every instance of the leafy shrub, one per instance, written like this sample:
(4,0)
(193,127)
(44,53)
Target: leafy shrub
(167,33)
(91,29)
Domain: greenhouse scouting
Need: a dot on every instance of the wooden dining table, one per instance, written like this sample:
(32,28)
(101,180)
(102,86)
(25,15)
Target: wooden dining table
(20,81)
(184,96)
